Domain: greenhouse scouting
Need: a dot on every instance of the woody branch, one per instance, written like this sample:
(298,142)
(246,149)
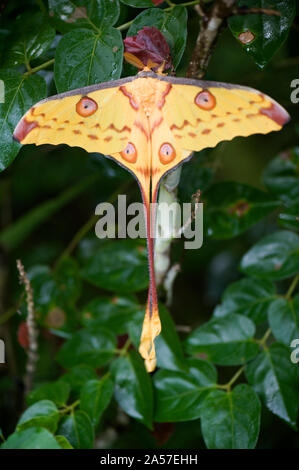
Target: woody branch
(210,26)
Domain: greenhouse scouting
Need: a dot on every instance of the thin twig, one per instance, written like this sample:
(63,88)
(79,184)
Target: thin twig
(32,330)
(292,287)
(210,26)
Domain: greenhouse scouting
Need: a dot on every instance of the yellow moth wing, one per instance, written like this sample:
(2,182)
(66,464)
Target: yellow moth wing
(231,112)
(57,121)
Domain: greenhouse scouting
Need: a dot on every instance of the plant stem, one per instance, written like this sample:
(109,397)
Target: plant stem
(30,70)
(292,287)
(124,349)
(264,339)
(69,408)
(235,377)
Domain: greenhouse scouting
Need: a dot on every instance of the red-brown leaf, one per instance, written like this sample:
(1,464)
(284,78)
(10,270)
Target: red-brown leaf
(149,47)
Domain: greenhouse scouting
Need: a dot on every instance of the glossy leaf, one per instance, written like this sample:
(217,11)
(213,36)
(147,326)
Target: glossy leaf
(281,176)
(249,297)
(57,392)
(32,438)
(289,218)
(225,341)
(168,345)
(93,346)
(284,319)
(63,442)
(179,395)
(78,430)
(119,266)
(275,256)
(84,57)
(231,208)
(21,92)
(275,378)
(133,388)
(78,14)
(231,420)
(113,313)
(34,38)
(95,396)
(261,35)
(43,413)
(78,376)
(172,24)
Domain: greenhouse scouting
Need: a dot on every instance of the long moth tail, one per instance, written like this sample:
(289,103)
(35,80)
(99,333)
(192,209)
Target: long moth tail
(151,327)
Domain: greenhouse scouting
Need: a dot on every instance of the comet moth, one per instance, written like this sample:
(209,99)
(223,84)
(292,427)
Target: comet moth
(150,123)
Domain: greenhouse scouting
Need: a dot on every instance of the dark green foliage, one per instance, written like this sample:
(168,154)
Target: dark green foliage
(224,353)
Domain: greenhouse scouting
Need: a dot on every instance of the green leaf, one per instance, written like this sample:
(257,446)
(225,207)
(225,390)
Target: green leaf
(21,92)
(225,341)
(78,376)
(84,57)
(231,420)
(138,3)
(275,378)
(168,345)
(78,14)
(94,346)
(95,396)
(249,297)
(55,293)
(179,395)
(284,319)
(43,413)
(289,218)
(32,438)
(78,430)
(57,392)
(63,442)
(231,208)
(275,256)
(194,176)
(113,313)
(281,176)
(133,388)
(34,38)
(172,24)
(119,266)
(268,32)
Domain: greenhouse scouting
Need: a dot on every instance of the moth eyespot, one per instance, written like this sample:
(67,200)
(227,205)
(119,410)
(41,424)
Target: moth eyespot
(86,106)
(129,153)
(166,153)
(205,100)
